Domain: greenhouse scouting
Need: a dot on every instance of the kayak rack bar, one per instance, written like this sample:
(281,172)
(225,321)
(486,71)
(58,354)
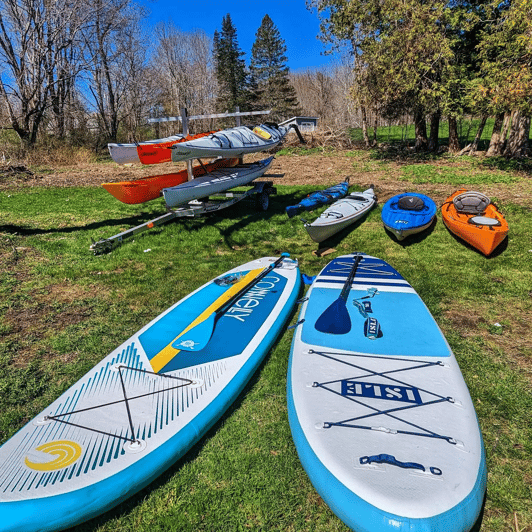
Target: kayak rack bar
(190,210)
(197,117)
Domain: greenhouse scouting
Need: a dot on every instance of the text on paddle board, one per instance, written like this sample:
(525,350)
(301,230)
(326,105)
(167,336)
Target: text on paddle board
(242,308)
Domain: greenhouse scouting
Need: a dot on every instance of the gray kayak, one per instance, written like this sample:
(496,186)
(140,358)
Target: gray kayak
(215,182)
(232,142)
(341,214)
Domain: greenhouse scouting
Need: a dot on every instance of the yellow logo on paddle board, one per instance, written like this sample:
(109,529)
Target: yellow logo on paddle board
(65,452)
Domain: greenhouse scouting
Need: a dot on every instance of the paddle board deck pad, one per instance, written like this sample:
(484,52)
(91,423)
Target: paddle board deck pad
(319,198)
(144,405)
(233,142)
(341,214)
(215,182)
(407,214)
(380,415)
(149,188)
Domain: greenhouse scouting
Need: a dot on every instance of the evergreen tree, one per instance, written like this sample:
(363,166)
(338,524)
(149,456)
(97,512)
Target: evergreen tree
(271,86)
(230,68)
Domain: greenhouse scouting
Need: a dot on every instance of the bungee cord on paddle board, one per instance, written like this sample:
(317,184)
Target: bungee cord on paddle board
(376,411)
(126,400)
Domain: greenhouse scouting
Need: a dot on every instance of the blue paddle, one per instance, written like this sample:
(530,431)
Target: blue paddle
(335,318)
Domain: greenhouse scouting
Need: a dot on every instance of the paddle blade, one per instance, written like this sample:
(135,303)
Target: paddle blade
(197,337)
(334,319)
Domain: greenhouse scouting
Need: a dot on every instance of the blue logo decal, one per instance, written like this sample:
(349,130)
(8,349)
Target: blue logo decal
(371,390)
(372,329)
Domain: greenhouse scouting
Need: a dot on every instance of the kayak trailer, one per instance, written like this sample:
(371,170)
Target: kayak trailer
(198,207)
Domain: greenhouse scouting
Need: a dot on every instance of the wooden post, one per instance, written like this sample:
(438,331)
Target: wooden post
(184,121)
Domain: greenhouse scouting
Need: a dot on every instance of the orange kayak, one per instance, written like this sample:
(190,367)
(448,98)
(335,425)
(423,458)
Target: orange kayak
(148,188)
(472,217)
(160,152)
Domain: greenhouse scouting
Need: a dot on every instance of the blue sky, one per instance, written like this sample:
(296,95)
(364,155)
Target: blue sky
(298,26)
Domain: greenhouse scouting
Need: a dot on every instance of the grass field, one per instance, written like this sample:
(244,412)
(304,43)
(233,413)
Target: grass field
(62,309)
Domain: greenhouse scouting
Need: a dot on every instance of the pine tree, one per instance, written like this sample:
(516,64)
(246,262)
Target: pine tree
(269,73)
(230,68)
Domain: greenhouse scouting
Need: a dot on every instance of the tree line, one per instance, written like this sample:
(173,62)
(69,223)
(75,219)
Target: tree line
(91,72)
(440,60)
(73,68)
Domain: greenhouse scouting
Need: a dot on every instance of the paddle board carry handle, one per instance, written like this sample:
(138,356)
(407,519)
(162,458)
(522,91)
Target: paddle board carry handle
(391,460)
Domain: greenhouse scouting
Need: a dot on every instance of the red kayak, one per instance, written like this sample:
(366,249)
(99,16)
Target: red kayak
(148,188)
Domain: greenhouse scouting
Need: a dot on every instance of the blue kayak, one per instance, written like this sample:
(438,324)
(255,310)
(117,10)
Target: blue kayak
(408,213)
(319,198)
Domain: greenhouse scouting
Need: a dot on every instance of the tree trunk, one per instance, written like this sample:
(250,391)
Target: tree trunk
(375,132)
(421,131)
(480,129)
(495,141)
(434,131)
(365,126)
(518,140)
(454,143)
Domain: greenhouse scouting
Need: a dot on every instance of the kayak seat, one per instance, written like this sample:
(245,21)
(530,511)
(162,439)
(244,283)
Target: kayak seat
(471,202)
(411,203)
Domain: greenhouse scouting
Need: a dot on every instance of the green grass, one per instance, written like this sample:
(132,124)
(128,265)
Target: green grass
(62,309)
(467,130)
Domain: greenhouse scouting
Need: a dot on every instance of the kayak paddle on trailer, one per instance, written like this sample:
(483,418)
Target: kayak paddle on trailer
(335,318)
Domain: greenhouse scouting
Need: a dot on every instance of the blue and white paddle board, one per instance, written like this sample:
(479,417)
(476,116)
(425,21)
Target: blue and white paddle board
(144,405)
(407,214)
(380,414)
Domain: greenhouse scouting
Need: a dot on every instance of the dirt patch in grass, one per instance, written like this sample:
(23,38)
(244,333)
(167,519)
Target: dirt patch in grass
(317,169)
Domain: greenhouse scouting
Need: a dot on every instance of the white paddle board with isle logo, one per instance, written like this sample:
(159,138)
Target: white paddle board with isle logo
(380,414)
(145,404)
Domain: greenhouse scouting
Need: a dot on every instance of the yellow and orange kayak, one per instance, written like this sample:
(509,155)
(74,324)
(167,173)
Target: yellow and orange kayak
(149,188)
(483,230)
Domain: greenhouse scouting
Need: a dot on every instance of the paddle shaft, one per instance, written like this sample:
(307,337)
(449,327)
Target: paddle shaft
(347,286)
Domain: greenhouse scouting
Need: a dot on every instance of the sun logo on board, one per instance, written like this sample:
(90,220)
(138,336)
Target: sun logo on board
(61,454)
(188,344)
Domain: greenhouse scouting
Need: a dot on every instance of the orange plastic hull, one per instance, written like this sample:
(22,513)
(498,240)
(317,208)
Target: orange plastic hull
(481,237)
(161,152)
(148,188)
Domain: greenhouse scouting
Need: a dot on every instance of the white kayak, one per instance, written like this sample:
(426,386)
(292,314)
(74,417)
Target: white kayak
(341,214)
(128,153)
(381,417)
(215,182)
(233,142)
(147,403)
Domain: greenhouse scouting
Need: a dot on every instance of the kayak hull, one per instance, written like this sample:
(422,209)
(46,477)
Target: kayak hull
(341,214)
(149,188)
(484,238)
(215,182)
(402,222)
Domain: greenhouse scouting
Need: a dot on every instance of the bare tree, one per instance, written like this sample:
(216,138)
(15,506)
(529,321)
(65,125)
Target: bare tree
(183,61)
(116,59)
(36,39)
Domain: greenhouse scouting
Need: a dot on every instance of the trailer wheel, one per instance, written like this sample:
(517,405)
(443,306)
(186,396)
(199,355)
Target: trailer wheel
(263,201)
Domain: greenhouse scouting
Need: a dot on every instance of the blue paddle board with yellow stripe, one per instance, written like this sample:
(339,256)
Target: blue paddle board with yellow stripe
(380,414)
(144,405)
